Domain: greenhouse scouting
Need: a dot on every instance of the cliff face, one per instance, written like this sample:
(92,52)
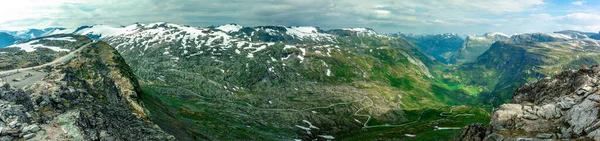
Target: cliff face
(563,107)
(94,96)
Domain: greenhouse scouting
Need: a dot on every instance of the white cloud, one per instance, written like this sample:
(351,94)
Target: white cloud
(30,9)
(578,3)
(382,12)
(576,21)
(424,16)
(580,21)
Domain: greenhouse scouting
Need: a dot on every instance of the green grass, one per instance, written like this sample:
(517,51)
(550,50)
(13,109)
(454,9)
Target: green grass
(424,128)
(201,118)
(390,79)
(160,114)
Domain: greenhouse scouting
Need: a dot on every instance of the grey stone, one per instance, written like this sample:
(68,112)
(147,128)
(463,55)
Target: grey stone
(31,128)
(10,132)
(25,129)
(6,138)
(544,136)
(586,88)
(13,124)
(530,117)
(566,103)
(29,136)
(34,128)
(580,92)
(494,137)
(524,139)
(548,111)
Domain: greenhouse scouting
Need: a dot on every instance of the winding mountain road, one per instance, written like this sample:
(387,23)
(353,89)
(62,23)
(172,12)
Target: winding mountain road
(25,76)
(59,60)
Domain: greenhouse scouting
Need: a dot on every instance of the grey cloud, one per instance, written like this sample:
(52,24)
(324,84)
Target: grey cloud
(423,16)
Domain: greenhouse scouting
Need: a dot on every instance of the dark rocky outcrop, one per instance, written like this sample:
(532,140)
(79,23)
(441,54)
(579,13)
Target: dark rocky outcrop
(564,107)
(94,96)
(473,132)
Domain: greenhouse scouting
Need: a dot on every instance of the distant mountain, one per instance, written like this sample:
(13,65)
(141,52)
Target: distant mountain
(542,37)
(6,39)
(595,36)
(439,46)
(475,46)
(508,64)
(576,34)
(32,33)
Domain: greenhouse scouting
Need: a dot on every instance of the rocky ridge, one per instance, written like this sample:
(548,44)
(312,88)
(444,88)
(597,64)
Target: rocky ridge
(563,107)
(94,96)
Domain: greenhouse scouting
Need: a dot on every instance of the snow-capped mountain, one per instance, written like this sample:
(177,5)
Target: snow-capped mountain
(34,45)
(33,33)
(267,67)
(540,37)
(577,34)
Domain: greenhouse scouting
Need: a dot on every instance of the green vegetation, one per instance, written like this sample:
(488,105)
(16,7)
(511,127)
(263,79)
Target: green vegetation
(424,128)
(227,94)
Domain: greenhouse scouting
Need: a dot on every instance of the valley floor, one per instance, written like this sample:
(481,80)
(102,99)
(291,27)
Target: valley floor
(425,124)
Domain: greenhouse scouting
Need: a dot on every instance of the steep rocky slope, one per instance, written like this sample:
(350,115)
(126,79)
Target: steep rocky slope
(526,57)
(439,46)
(563,107)
(92,95)
(474,46)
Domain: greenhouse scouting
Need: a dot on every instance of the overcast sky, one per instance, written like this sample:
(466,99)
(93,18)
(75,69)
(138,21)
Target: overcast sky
(385,16)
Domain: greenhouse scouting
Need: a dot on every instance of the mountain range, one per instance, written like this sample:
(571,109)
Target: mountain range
(286,83)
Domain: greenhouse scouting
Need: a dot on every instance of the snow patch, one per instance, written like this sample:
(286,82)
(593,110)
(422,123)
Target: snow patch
(562,36)
(104,30)
(496,34)
(70,39)
(31,46)
(362,31)
(307,32)
(229,28)
(310,125)
(327,137)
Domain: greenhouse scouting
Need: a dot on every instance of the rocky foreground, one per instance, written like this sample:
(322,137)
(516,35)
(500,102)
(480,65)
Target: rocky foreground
(563,107)
(94,96)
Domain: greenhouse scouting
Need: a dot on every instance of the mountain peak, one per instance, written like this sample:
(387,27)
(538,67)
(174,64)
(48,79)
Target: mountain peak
(490,34)
(229,28)
(362,31)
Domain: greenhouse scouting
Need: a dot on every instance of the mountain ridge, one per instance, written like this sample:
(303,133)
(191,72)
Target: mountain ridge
(562,107)
(86,93)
